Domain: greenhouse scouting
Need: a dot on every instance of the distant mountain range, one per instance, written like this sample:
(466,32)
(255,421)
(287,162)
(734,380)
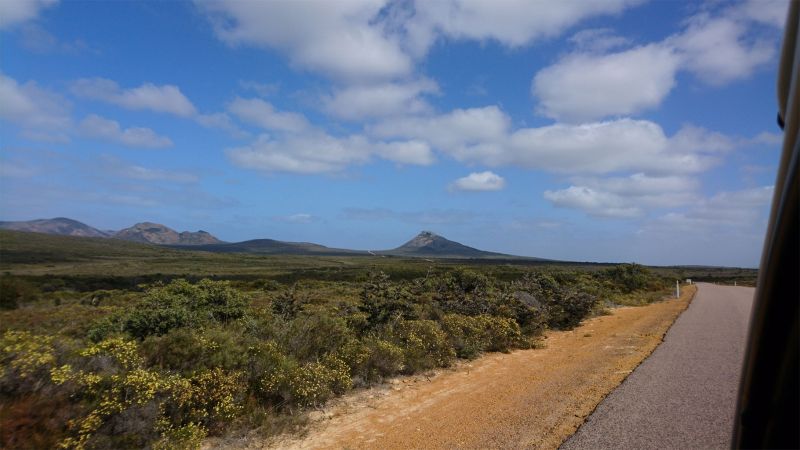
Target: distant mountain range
(59,225)
(425,245)
(145,232)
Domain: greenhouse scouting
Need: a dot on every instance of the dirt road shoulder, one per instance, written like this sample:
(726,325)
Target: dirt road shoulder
(527,398)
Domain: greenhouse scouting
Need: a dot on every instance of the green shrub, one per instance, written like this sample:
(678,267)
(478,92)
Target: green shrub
(463,291)
(382,300)
(570,308)
(629,277)
(424,345)
(310,384)
(187,437)
(188,350)
(180,304)
(14,291)
(372,359)
(286,305)
(502,333)
(465,334)
(470,336)
(314,334)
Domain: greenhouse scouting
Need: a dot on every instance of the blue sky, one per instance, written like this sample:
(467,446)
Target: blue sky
(619,130)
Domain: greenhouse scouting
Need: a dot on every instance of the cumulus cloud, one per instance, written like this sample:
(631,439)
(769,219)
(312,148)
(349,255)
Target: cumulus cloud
(358,102)
(479,181)
(718,49)
(319,152)
(593,202)
(485,136)
(14,12)
(41,114)
(583,87)
(513,23)
(624,197)
(341,39)
(164,99)
(405,152)
(598,40)
(593,83)
(305,154)
(379,39)
(733,211)
(261,113)
(99,127)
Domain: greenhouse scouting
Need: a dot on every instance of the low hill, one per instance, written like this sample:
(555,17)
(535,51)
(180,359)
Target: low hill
(273,247)
(20,247)
(155,233)
(59,225)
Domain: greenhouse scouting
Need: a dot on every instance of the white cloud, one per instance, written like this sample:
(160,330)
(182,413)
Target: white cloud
(451,131)
(593,83)
(119,168)
(306,154)
(725,212)
(513,22)
(98,127)
(39,113)
(300,218)
(630,196)
(341,39)
(484,136)
(261,113)
(585,87)
(221,121)
(593,202)
(165,99)
(479,181)
(598,40)
(768,12)
(262,89)
(405,152)
(379,39)
(13,12)
(718,49)
(378,100)
(318,152)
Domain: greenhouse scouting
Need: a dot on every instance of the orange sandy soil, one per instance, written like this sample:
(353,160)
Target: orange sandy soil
(525,399)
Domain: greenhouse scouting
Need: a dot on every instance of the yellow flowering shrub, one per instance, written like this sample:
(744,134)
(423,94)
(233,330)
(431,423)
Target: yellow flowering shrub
(424,344)
(26,353)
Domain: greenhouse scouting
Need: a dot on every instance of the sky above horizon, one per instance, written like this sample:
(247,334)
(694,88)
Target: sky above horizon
(615,130)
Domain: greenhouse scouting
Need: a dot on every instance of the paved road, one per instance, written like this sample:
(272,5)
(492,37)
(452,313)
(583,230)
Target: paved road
(684,395)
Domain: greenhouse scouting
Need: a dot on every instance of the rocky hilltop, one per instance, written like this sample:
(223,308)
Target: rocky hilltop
(429,244)
(59,225)
(155,233)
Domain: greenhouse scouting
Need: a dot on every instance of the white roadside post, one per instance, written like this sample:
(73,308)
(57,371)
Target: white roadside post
(677,289)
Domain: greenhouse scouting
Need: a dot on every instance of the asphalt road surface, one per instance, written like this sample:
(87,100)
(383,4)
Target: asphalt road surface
(684,395)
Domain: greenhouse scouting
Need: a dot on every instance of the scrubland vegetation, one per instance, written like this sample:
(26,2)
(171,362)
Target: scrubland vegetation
(163,365)
(161,349)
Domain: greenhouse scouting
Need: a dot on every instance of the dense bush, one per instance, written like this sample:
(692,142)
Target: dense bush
(424,345)
(165,365)
(463,292)
(175,305)
(629,277)
(382,300)
(14,291)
